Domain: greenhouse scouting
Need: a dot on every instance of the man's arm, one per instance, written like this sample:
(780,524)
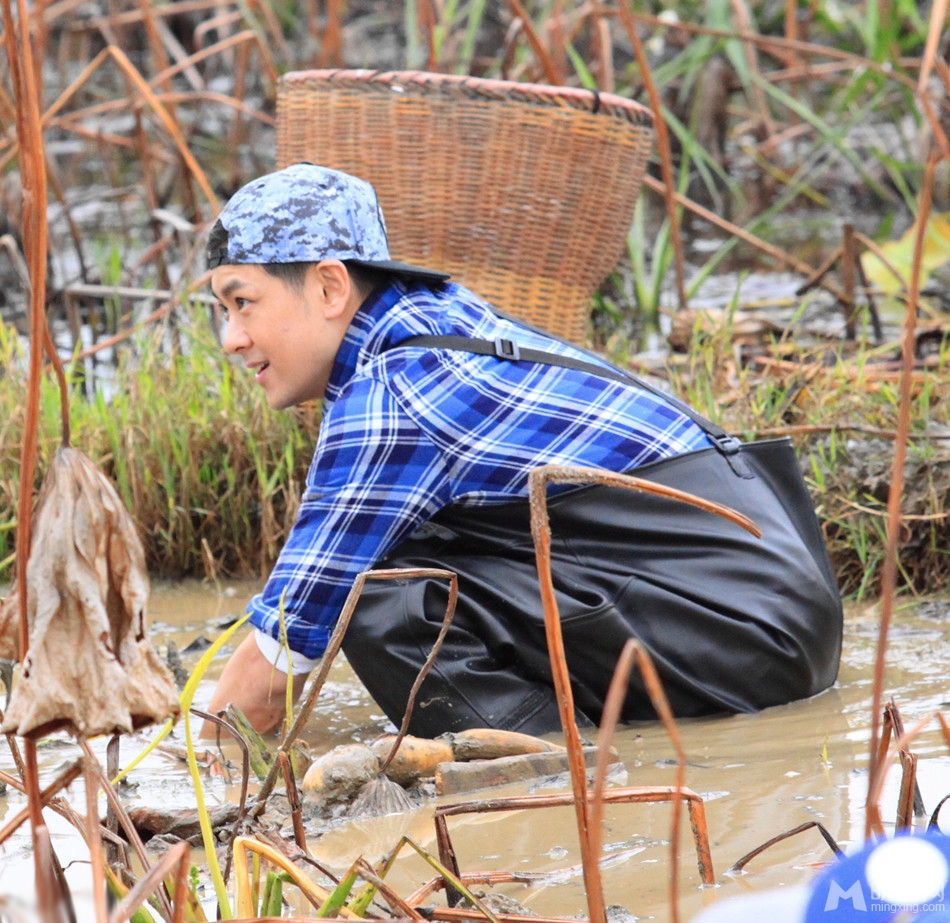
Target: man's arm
(254,685)
(376,476)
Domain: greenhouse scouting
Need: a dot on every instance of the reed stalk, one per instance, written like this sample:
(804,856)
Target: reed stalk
(895,496)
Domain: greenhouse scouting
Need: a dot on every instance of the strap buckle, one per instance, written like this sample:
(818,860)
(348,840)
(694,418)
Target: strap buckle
(727,443)
(730,446)
(507,349)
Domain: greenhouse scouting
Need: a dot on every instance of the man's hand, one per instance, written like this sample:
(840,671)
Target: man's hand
(256,686)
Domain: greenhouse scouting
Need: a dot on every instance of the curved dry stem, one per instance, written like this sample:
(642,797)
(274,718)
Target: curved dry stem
(33,171)
(608,725)
(634,651)
(666,156)
(876,787)
(895,494)
(219,722)
(333,647)
(72,773)
(541,532)
(436,647)
(740,864)
(544,59)
(938,17)
(538,480)
(570,474)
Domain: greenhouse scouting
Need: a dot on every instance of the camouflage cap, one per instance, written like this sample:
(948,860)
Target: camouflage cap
(306,213)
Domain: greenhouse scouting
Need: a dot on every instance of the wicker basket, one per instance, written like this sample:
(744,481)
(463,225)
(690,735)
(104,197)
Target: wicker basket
(524,193)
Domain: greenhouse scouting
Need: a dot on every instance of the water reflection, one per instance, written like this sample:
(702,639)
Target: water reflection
(759,775)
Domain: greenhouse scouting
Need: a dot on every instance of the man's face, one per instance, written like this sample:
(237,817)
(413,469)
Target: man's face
(287,337)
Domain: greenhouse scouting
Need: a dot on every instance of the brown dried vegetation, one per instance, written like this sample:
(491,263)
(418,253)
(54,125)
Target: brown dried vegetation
(90,667)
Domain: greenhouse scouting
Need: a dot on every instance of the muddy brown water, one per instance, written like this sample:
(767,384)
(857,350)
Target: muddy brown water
(759,775)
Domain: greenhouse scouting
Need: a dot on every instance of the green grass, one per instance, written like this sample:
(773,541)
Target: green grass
(195,453)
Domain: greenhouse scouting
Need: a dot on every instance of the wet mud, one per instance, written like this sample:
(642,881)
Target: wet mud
(759,775)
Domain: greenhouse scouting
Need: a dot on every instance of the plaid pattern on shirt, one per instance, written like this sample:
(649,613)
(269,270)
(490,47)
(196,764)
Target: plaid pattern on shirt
(405,432)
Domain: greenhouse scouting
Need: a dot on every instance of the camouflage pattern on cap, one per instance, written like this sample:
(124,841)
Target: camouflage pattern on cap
(303,213)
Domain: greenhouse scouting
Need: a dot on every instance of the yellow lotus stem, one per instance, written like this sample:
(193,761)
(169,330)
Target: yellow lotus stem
(243,882)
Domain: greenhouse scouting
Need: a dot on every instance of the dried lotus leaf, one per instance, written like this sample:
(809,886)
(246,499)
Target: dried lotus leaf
(90,667)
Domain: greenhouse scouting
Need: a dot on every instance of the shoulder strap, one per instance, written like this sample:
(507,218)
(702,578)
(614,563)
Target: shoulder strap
(502,348)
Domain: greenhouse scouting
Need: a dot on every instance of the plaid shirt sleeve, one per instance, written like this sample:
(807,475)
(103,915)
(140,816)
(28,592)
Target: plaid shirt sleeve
(375,478)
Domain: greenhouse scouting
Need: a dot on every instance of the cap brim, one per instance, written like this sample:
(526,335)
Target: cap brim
(431,276)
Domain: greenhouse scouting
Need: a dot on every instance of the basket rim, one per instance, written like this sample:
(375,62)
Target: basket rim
(409,81)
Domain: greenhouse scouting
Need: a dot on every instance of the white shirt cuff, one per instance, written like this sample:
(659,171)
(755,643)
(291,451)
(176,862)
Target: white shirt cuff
(275,654)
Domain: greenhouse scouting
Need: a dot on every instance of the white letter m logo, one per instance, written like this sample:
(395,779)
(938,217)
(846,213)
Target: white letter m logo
(855,894)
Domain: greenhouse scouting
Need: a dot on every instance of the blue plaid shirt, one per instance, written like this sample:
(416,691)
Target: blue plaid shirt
(406,432)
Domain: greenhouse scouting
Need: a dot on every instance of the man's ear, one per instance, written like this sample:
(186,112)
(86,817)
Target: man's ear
(333,280)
